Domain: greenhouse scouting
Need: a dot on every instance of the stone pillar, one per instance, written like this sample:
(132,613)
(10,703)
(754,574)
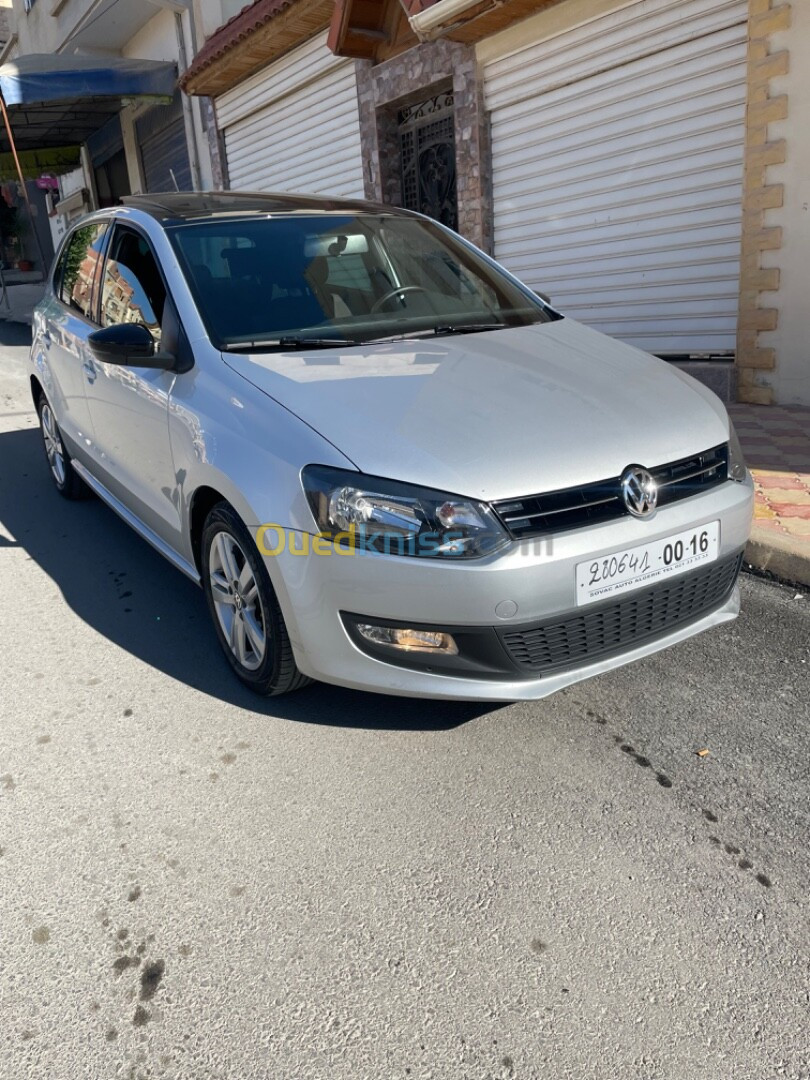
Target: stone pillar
(755,316)
(419,73)
(216,145)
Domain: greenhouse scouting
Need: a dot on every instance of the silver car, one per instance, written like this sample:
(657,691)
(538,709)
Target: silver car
(389,464)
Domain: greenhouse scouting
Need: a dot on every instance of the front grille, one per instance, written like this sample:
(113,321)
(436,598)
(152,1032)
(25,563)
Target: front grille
(573,508)
(614,627)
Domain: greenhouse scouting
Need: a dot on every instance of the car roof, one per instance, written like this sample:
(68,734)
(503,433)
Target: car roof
(181,206)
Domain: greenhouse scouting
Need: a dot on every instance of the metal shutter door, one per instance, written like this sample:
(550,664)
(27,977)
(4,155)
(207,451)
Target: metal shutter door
(295,127)
(164,150)
(617,171)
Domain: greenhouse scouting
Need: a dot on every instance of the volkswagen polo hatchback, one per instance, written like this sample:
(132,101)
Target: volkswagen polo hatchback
(389,463)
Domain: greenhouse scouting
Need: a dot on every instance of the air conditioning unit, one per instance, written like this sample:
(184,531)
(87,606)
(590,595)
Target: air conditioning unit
(73,206)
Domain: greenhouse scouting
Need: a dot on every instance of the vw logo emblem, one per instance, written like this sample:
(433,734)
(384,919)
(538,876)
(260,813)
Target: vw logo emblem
(639,491)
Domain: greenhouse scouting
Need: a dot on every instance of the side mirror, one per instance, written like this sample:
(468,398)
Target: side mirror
(543,297)
(128,345)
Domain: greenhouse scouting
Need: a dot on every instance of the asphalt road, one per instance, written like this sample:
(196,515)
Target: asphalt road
(197,884)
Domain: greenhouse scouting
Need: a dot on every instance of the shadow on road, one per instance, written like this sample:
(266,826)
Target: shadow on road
(127,592)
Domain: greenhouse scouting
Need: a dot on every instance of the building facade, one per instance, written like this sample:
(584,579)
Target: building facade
(146,145)
(641,161)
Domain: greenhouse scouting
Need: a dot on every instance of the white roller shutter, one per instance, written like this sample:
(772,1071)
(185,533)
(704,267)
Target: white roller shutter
(617,154)
(295,126)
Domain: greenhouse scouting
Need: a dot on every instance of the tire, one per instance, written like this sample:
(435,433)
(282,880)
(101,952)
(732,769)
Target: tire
(67,481)
(243,606)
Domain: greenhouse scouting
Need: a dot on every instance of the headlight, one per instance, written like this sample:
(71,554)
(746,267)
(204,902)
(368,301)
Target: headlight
(736,462)
(367,512)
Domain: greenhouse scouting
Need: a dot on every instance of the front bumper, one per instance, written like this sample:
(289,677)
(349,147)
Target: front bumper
(320,594)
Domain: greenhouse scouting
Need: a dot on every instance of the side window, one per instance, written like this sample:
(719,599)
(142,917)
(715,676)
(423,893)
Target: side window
(80,268)
(133,290)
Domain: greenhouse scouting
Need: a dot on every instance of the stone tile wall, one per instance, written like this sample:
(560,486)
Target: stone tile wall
(413,76)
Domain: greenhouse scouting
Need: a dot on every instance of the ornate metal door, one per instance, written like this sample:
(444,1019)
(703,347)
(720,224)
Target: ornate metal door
(427,148)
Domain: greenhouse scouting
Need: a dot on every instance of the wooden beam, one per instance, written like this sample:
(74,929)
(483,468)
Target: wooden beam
(280,35)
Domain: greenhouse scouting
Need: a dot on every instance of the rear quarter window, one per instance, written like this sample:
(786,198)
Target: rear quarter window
(79,271)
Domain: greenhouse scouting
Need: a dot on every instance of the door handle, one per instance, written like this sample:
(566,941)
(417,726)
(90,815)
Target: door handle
(89,371)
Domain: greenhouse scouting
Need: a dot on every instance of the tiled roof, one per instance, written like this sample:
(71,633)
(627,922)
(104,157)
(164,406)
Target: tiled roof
(250,19)
(413,7)
(248,22)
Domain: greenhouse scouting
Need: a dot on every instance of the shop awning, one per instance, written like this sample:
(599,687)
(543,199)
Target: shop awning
(51,162)
(55,101)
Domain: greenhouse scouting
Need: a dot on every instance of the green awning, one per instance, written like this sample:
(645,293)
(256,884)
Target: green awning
(54,162)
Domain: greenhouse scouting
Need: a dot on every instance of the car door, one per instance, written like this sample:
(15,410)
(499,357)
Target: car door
(65,326)
(129,405)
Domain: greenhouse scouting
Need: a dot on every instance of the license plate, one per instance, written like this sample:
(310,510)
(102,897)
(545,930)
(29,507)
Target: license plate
(637,567)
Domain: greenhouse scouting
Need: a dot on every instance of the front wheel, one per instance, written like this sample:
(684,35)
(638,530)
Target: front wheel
(243,605)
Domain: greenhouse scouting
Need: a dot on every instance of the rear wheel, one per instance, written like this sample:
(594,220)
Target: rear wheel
(68,483)
(243,605)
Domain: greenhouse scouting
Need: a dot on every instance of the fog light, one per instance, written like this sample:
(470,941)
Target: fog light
(409,640)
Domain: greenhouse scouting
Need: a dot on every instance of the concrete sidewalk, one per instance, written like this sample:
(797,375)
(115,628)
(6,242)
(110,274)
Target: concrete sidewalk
(775,439)
(776,443)
(17,302)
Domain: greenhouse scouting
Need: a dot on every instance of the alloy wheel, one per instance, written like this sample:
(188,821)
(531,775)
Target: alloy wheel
(53,445)
(237,603)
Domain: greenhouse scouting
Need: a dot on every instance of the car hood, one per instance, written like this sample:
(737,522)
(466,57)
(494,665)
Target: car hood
(494,415)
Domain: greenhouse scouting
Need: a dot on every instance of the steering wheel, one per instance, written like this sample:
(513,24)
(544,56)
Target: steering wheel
(395,292)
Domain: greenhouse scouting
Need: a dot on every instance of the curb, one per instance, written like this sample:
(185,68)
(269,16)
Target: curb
(779,557)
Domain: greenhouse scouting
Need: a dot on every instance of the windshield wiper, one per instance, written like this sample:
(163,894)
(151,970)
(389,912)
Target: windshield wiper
(437,331)
(467,328)
(298,341)
(293,341)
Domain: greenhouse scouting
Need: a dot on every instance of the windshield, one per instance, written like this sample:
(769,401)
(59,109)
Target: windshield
(322,279)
